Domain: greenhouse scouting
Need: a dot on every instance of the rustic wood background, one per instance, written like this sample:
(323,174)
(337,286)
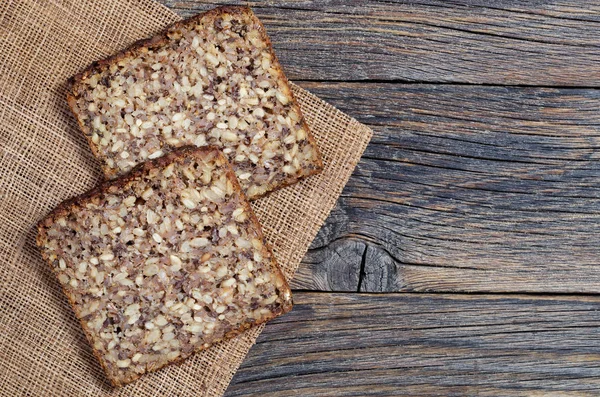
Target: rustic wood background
(483,177)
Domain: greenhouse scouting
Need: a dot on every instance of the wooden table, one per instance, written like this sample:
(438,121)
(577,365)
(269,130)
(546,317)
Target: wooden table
(475,208)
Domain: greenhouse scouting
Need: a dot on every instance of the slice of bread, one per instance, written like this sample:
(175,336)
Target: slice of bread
(162,262)
(209,80)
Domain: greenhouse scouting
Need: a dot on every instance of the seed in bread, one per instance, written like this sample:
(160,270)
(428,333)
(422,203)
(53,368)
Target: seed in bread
(209,80)
(163,262)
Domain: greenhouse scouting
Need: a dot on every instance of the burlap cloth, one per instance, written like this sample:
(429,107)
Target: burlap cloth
(44,160)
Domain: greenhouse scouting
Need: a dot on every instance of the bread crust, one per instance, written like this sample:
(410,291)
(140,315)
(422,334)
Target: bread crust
(162,39)
(137,173)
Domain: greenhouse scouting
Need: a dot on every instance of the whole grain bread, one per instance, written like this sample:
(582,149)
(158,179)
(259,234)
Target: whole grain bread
(162,262)
(212,79)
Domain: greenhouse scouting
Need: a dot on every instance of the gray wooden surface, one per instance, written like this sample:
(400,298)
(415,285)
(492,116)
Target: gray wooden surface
(472,41)
(427,345)
(465,188)
(483,176)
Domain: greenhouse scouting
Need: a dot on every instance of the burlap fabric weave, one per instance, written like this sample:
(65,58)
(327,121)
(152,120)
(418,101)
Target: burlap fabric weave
(44,160)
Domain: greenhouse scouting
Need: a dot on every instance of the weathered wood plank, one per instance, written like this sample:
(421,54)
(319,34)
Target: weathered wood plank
(469,189)
(426,345)
(473,41)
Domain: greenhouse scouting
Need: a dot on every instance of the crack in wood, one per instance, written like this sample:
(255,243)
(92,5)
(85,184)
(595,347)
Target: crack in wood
(361,274)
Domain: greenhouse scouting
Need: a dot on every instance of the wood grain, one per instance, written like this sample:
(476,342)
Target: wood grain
(332,266)
(468,189)
(426,345)
(468,41)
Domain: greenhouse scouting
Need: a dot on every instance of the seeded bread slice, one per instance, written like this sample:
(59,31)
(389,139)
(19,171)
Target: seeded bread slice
(212,79)
(162,262)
